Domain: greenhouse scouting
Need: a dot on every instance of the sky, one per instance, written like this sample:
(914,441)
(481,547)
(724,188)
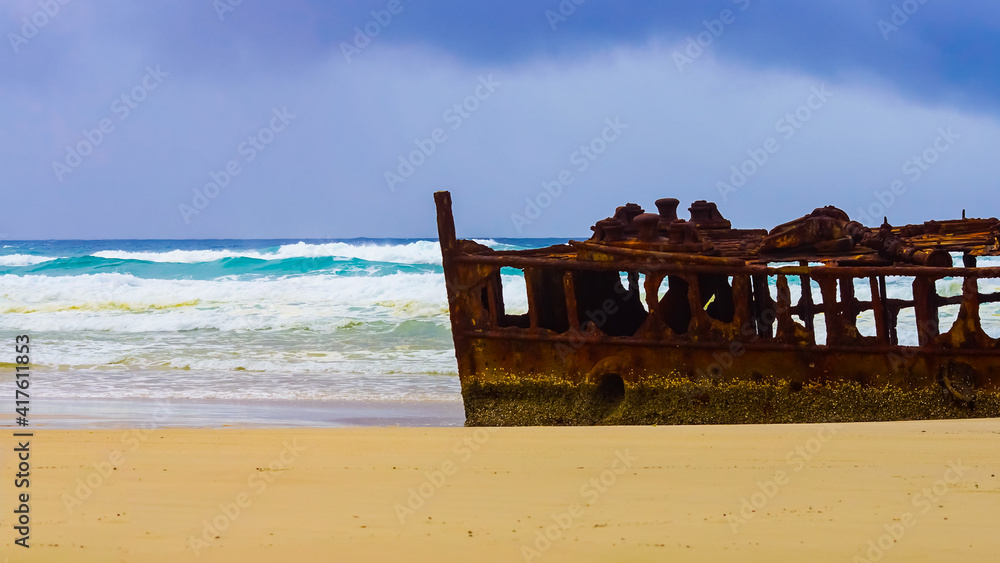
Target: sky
(193,119)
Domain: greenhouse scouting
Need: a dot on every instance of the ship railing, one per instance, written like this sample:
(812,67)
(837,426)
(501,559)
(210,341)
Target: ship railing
(762,304)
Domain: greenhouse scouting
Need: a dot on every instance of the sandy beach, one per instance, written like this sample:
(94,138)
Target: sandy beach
(910,491)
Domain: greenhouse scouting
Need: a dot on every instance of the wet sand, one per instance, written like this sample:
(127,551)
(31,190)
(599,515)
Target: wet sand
(910,491)
(79,413)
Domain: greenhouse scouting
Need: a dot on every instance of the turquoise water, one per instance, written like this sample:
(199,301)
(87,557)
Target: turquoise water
(234,319)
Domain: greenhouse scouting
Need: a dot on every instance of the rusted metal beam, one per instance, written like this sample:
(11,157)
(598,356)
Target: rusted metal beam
(532,286)
(877,285)
(571,263)
(513,333)
(445,222)
(925,307)
(806,312)
(569,286)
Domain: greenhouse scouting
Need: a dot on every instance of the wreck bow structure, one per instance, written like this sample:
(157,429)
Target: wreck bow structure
(660,320)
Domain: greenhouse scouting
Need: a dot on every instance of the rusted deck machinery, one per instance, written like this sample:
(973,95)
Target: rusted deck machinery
(657,320)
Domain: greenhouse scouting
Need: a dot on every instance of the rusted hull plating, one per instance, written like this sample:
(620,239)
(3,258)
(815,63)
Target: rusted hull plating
(726,343)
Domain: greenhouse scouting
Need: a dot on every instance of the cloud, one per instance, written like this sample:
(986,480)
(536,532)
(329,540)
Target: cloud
(324,176)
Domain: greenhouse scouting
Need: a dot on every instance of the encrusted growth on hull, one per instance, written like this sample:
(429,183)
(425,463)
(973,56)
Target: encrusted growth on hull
(684,402)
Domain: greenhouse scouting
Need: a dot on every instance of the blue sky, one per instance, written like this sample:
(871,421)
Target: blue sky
(253,119)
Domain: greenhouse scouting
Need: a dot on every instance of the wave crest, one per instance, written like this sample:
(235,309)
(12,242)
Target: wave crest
(23,260)
(417,252)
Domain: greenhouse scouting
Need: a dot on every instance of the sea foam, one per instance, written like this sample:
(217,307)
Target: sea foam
(23,259)
(417,252)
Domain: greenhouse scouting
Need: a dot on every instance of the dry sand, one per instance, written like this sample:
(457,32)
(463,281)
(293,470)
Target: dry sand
(603,494)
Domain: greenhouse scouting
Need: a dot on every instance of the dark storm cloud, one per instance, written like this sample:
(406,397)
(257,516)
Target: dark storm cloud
(940,50)
(929,49)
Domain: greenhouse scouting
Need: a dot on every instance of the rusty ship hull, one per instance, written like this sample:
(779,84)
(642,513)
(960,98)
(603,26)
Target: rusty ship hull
(656,320)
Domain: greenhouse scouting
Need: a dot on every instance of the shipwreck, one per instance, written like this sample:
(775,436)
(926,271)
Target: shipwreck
(661,320)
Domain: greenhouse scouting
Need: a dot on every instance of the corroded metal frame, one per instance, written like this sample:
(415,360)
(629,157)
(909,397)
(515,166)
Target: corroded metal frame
(762,366)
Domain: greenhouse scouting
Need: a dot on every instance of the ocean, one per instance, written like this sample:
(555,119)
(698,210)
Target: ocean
(234,320)
(345,321)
